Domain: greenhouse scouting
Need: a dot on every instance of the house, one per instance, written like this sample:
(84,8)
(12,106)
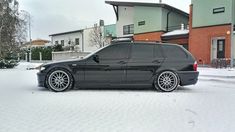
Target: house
(210,29)
(81,39)
(146,21)
(69,39)
(35,43)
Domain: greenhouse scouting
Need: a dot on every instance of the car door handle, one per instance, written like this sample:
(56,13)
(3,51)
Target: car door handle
(121,62)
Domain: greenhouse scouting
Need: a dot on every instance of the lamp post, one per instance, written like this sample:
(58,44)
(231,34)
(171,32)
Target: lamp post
(232,36)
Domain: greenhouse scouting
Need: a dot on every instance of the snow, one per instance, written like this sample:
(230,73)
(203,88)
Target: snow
(208,106)
(176,32)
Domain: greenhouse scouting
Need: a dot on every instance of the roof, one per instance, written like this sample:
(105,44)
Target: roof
(120,3)
(176,33)
(69,32)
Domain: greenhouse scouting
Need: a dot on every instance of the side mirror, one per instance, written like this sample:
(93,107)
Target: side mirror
(96,58)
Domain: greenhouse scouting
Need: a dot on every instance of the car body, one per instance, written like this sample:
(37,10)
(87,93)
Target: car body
(124,65)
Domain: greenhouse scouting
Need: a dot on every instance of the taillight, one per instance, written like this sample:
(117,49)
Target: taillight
(195,66)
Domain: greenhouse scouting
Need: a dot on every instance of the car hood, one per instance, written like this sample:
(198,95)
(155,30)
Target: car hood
(64,62)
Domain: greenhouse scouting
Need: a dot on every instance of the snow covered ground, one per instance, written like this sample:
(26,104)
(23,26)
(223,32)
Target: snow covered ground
(206,107)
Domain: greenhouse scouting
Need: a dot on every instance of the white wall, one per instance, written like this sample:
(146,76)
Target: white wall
(69,37)
(88,47)
(126,17)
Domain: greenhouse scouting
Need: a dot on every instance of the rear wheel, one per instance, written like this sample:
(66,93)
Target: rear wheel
(59,80)
(166,81)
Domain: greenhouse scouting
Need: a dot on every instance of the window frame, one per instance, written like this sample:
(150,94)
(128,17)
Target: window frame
(77,41)
(218,10)
(128,29)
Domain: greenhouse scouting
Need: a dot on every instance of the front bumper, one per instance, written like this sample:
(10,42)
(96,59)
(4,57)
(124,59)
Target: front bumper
(41,79)
(188,77)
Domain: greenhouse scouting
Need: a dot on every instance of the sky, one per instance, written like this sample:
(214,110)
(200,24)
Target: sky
(55,16)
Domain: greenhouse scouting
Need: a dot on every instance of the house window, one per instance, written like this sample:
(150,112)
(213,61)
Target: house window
(141,23)
(77,41)
(218,10)
(56,42)
(128,29)
(62,42)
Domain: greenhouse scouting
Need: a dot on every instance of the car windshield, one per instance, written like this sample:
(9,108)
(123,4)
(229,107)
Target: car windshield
(89,55)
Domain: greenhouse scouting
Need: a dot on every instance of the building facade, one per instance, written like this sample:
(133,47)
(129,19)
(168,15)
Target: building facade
(210,29)
(69,39)
(146,21)
(81,39)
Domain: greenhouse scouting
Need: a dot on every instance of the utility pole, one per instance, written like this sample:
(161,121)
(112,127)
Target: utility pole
(232,35)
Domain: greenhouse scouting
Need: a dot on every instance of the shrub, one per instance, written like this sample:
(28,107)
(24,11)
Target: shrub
(10,61)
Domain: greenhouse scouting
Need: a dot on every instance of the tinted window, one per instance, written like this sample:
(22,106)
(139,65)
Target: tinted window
(174,52)
(158,51)
(117,51)
(140,51)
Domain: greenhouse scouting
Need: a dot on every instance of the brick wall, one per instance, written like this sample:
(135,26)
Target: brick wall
(153,36)
(200,40)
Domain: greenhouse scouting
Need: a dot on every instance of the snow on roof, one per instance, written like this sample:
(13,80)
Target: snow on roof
(176,32)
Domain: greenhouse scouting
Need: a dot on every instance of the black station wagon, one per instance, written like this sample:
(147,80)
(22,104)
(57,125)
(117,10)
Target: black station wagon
(123,65)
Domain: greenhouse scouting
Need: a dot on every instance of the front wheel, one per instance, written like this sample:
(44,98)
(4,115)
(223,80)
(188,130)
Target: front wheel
(59,80)
(166,81)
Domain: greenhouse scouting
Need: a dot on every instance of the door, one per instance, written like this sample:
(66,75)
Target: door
(110,70)
(145,59)
(221,48)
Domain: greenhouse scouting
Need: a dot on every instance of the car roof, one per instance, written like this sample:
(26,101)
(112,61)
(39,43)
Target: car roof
(147,43)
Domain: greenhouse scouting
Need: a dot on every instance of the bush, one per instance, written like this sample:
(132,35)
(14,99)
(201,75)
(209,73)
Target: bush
(46,53)
(10,61)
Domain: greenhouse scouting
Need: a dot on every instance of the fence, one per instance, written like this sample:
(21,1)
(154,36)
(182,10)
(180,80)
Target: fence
(68,55)
(221,63)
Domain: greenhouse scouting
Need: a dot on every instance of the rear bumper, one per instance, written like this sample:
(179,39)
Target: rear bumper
(188,77)
(41,79)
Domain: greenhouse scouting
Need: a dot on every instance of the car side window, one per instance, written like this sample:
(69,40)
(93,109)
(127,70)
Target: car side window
(174,52)
(117,51)
(142,51)
(158,51)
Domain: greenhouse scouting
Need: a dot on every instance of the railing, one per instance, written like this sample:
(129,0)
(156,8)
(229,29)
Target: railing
(221,63)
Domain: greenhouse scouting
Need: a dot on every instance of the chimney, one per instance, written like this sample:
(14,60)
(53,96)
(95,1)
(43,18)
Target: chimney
(182,26)
(101,23)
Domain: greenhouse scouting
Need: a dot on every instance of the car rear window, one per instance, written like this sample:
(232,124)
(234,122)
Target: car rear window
(174,52)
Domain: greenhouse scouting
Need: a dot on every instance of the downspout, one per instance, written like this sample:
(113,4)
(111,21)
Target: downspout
(167,21)
(83,41)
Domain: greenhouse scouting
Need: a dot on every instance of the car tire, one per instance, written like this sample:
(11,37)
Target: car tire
(166,81)
(59,80)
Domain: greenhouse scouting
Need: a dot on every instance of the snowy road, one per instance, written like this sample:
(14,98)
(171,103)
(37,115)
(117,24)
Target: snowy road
(208,106)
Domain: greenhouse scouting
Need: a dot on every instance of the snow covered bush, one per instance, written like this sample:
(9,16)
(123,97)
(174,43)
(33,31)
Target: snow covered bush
(8,63)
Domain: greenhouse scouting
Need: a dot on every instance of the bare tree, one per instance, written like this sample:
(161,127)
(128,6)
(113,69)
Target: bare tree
(97,37)
(11,31)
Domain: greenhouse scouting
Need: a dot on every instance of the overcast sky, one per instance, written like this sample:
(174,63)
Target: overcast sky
(54,16)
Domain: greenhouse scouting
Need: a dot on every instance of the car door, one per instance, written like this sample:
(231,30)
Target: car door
(118,63)
(110,68)
(144,60)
